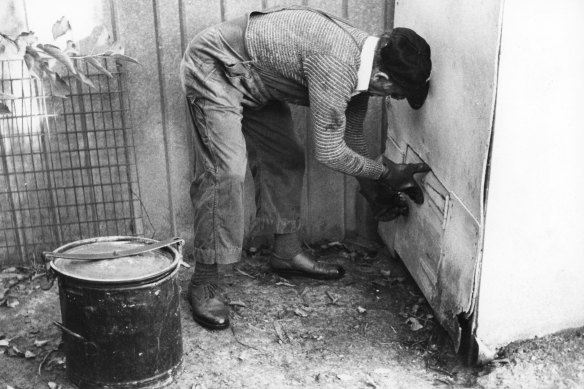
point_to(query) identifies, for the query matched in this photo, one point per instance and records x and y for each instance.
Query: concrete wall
(532, 280)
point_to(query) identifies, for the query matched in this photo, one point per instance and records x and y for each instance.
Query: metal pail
(120, 313)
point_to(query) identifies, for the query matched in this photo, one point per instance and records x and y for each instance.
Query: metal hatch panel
(438, 243)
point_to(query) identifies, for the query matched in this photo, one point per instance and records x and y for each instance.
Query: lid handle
(118, 254)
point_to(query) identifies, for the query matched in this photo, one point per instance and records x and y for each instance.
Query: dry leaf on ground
(414, 324)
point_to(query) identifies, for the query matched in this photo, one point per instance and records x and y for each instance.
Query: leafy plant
(37, 57)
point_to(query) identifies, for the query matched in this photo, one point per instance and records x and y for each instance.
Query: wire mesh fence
(67, 166)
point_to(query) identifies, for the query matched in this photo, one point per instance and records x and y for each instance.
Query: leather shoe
(303, 265)
(208, 309)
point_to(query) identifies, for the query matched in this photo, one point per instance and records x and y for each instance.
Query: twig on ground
(283, 283)
(44, 360)
(38, 275)
(446, 381)
(334, 299)
(440, 370)
(245, 274)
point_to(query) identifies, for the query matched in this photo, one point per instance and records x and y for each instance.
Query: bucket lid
(130, 268)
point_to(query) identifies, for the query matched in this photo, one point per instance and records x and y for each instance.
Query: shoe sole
(211, 326)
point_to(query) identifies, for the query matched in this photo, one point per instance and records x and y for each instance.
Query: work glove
(386, 204)
(400, 177)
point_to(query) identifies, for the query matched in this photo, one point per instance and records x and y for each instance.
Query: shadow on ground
(371, 329)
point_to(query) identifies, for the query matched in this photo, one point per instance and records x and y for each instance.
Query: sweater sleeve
(355, 116)
(330, 84)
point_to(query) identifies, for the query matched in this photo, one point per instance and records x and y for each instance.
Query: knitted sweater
(315, 53)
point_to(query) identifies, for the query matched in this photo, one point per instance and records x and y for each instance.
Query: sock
(287, 245)
(225, 270)
(204, 274)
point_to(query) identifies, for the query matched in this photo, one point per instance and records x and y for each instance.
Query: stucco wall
(532, 279)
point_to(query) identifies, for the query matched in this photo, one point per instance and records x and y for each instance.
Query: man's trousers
(235, 117)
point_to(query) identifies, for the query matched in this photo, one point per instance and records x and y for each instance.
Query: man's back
(282, 41)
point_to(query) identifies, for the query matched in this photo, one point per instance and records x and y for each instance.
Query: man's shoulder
(311, 25)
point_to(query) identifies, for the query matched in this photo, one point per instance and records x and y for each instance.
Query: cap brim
(417, 100)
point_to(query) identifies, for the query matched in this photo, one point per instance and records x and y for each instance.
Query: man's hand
(386, 204)
(400, 177)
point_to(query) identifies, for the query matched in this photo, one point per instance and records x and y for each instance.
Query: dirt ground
(371, 329)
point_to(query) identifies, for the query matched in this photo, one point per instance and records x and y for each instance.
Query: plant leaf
(59, 55)
(124, 58)
(116, 51)
(4, 109)
(24, 40)
(95, 63)
(4, 41)
(34, 62)
(84, 79)
(31, 65)
(61, 27)
(28, 37)
(59, 87)
(7, 38)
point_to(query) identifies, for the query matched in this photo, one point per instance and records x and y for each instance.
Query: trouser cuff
(220, 257)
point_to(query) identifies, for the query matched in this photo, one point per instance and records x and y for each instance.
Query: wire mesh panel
(68, 167)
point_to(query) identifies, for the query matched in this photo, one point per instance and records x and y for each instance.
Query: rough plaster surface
(533, 270)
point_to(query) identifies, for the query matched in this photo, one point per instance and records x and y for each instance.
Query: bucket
(119, 300)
